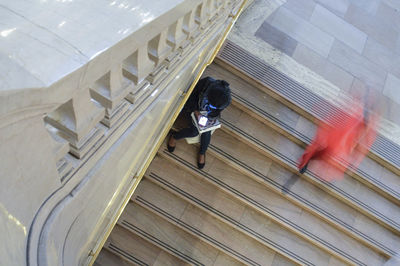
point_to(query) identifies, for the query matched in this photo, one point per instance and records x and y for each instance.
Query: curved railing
(75, 158)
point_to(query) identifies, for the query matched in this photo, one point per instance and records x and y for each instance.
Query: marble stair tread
(137, 250)
(248, 219)
(206, 227)
(301, 130)
(254, 163)
(286, 152)
(277, 206)
(108, 258)
(167, 236)
(238, 60)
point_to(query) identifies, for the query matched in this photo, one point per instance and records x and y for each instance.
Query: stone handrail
(73, 148)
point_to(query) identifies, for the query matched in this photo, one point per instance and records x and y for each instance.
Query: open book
(210, 125)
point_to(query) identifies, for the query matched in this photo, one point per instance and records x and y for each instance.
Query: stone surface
(63, 35)
(385, 58)
(303, 31)
(339, 7)
(302, 8)
(337, 27)
(322, 66)
(351, 61)
(392, 88)
(276, 38)
(377, 29)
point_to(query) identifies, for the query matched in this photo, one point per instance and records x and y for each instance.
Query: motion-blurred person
(335, 142)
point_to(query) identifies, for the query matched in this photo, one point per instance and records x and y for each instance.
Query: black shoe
(170, 148)
(201, 165)
(303, 170)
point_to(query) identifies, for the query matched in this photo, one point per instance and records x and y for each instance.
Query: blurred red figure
(335, 142)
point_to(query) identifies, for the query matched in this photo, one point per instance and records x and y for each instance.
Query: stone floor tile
(323, 67)
(357, 65)
(389, 14)
(357, 89)
(390, 109)
(276, 38)
(392, 88)
(338, 76)
(303, 31)
(382, 56)
(392, 3)
(302, 8)
(339, 7)
(337, 27)
(368, 6)
(309, 58)
(374, 27)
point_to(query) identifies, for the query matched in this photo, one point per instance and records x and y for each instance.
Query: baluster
(211, 10)
(174, 39)
(158, 52)
(138, 66)
(77, 122)
(110, 91)
(202, 17)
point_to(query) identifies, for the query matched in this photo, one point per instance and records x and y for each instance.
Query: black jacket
(200, 91)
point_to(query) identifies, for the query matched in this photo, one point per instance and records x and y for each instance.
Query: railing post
(77, 122)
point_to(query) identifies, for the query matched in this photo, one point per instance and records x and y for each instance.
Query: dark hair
(219, 93)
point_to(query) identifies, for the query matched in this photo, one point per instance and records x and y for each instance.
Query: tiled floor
(351, 43)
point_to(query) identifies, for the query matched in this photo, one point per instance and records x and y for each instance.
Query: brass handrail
(139, 176)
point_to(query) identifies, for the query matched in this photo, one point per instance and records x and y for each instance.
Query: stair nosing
(290, 164)
(226, 219)
(193, 231)
(389, 193)
(345, 228)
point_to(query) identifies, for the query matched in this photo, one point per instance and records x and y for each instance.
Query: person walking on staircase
(209, 97)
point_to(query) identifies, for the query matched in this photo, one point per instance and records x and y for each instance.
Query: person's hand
(197, 114)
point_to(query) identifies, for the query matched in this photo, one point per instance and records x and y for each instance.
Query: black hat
(219, 94)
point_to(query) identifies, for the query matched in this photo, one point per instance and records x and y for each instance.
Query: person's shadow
(289, 183)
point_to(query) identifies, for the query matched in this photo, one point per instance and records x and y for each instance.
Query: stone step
(292, 242)
(136, 250)
(205, 227)
(300, 130)
(239, 61)
(281, 208)
(108, 258)
(253, 162)
(169, 237)
(283, 151)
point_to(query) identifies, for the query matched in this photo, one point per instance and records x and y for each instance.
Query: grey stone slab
(323, 67)
(392, 88)
(390, 110)
(339, 7)
(393, 3)
(389, 15)
(309, 58)
(303, 8)
(357, 89)
(379, 54)
(368, 6)
(397, 49)
(303, 31)
(338, 76)
(339, 28)
(374, 27)
(276, 38)
(357, 65)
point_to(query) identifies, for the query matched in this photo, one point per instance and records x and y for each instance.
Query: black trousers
(192, 131)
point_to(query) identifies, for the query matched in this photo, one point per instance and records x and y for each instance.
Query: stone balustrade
(74, 145)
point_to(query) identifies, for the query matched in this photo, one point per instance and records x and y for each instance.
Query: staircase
(249, 205)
